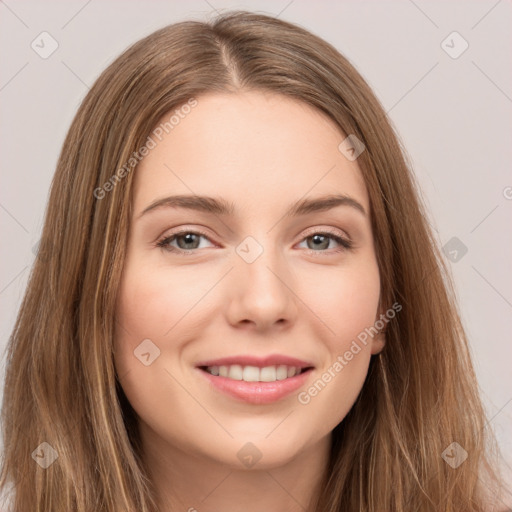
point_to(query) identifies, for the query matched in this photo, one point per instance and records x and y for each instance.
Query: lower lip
(257, 392)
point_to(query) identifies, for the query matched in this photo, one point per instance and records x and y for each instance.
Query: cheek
(149, 305)
(151, 302)
(146, 308)
(159, 305)
(345, 299)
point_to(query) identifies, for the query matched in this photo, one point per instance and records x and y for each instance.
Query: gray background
(453, 115)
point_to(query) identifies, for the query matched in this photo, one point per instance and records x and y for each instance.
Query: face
(264, 281)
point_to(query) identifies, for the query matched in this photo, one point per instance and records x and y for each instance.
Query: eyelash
(345, 244)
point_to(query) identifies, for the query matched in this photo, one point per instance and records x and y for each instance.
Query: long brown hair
(61, 386)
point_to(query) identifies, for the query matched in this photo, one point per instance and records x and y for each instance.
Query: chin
(255, 452)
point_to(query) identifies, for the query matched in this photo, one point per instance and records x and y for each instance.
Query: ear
(379, 340)
(378, 343)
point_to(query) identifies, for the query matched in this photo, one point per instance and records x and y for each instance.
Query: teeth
(235, 372)
(254, 373)
(281, 372)
(268, 374)
(251, 374)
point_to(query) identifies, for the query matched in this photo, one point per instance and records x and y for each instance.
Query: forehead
(252, 149)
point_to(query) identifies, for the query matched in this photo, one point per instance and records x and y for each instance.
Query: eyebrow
(220, 206)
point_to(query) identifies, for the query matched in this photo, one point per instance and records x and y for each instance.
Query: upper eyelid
(329, 231)
(309, 231)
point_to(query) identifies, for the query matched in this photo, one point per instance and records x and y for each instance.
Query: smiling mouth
(248, 373)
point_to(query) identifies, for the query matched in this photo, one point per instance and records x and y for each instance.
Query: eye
(186, 241)
(320, 241)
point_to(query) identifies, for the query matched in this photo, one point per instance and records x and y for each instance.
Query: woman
(238, 300)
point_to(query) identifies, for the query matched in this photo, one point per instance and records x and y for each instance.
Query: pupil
(189, 239)
(318, 238)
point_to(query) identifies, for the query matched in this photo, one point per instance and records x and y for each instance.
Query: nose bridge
(260, 261)
(262, 291)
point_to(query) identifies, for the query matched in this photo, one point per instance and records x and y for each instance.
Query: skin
(262, 152)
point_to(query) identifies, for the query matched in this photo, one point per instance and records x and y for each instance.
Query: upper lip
(260, 362)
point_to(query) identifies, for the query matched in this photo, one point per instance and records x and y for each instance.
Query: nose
(261, 293)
